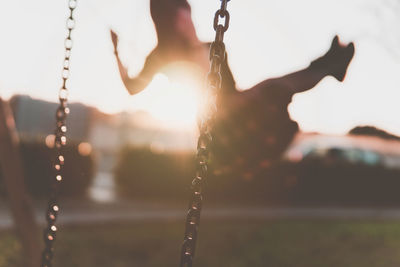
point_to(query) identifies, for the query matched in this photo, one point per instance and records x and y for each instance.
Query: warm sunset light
(285, 38)
(85, 149)
(49, 140)
(124, 124)
(172, 99)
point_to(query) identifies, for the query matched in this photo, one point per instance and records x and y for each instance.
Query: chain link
(59, 142)
(217, 56)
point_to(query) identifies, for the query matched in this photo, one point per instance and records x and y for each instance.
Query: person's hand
(114, 39)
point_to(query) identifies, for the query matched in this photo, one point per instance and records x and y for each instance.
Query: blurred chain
(217, 56)
(59, 142)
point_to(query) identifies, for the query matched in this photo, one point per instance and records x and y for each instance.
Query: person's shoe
(336, 60)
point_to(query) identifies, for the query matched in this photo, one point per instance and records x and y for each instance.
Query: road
(77, 212)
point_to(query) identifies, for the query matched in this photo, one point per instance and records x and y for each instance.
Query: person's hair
(162, 11)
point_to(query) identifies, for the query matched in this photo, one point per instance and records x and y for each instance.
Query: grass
(224, 244)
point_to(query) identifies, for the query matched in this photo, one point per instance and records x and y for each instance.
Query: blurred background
(331, 199)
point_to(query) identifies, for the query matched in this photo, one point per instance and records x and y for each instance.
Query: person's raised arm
(133, 86)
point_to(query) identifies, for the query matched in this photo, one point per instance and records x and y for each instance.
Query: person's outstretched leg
(255, 126)
(334, 63)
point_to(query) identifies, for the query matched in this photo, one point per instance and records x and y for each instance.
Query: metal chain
(60, 141)
(217, 56)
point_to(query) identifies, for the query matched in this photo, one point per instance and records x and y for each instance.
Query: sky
(266, 39)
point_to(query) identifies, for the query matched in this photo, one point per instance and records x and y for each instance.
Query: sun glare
(173, 100)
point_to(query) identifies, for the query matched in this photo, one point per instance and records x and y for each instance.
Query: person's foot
(336, 60)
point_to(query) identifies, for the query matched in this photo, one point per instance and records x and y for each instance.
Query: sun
(172, 97)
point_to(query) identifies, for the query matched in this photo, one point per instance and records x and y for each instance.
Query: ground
(224, 243)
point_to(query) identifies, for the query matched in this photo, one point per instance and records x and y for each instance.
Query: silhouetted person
(253, 127)
(177, 41)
